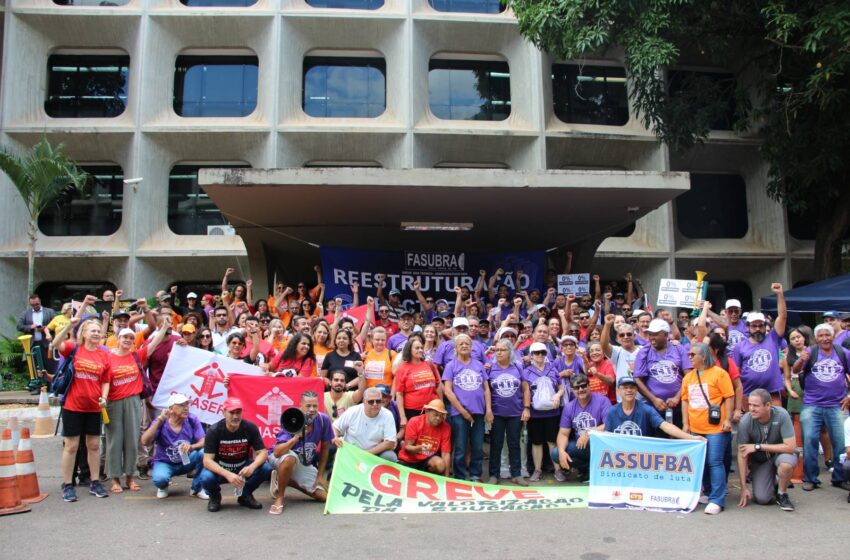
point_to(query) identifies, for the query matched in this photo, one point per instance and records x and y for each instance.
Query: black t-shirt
(232, 450)
(334, 361)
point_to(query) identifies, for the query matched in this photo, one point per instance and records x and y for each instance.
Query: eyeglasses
(539, 353)
(584, 316)
(206, 336)
(383, 310)
(574, 331)
(501, 349)
(581, 387)
(429, 300)
(569, 345)
(626, 334)
(692, 354)
(374, 402)
(265, 322)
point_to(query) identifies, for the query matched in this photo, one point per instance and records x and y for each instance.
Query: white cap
(733, 303)
(569, 338)
(177, 398)
(658, 325)
(505, 330)
(824, 327)
(637, 312)
(192, 295)
(537, 347)
(754, 316)
(460, 322)
(125, 331)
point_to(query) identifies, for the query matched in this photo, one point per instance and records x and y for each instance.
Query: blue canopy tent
(832, 294)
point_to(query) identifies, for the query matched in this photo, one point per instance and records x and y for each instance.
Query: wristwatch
(758, 447)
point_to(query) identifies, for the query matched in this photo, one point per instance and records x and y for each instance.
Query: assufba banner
(438, 272)
(632, 472)
(364, 483)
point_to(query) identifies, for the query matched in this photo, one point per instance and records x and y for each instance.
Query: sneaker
(521, 481)
(201, 494)
(703, 499)
(493, 480)
(69, 493)
(560, 476)
(712, 509)
(215, 503)
(249, 502)
(844, 485)
(161, 493)
(536, 476)
(809, 486)
(97, 489)
(828, 463)
(784, 503)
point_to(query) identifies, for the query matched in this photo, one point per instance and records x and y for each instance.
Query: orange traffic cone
(10, 496)
(25, 469)
(43, 419)
(797, 475)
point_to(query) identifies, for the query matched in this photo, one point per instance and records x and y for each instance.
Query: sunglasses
(581, 387)
(584, 316)
(570, 345)
(429, 300)
(206, 336)
(333, 409)
(374, 402)
(539, 353)
(221, 316)
(626, 335)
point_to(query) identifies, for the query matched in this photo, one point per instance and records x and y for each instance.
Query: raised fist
(229, 271)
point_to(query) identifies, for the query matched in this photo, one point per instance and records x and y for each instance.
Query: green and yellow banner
(364, 483)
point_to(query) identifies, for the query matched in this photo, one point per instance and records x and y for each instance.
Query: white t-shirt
(624, 364)
(364, 432)
(219, 340)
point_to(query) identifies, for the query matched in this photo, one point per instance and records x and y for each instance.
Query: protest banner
(199, 375)
(632, 472)
(356, 314)
(365, 483)
(578, 284)
(677, 293)
(438, 272)
(265, 398)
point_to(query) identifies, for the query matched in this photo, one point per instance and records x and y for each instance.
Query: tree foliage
(791, 63)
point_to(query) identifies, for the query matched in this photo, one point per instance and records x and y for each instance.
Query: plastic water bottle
(668, 416)
(184, 457)
(523, 436)
(237, 490)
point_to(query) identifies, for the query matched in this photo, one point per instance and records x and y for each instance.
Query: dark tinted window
(469, 90)
(98, 213)
(474, 6)
(716, 92)
(719, 292)
(344, 87)
(190, 210)
(714, 208)
(803, 225)
(86, 86)
(215, 86)
(91, 2)
(54, 294)
(590, 94)
(353, 4)
(218, 3)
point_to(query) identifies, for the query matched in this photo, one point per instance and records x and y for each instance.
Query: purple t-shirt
(168, 442)
(321, 434)
(663, 371)
(759, 364)
(506, 390)
(736, 333)
(825, 384)
(446, 352)
(467, 384)
(580, 419)
(839, 338)
(397, 341)
(576, 367)
(532, 375)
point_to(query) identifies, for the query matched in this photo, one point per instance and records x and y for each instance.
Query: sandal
(116, 487)
(133, 487)
(275, 509)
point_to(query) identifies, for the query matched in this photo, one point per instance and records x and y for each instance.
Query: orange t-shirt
(378, 367)
(717, 386)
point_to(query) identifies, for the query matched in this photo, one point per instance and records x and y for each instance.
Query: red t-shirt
(126, 379)
(419, 431)
(598, 386)
(390, 327)
(91, 370)
(417, 383)
(301, 367)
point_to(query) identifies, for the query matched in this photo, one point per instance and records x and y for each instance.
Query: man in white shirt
(369, 426)
(623, 356)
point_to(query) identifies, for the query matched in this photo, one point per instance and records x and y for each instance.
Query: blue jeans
(580, 457)
(212, 482)
(511, 426)
(471, 433)
(714, 474)
(163, 472)
(812, 419)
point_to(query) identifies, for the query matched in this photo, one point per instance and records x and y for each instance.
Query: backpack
(63, 377)
(544, 394)
(813, 359)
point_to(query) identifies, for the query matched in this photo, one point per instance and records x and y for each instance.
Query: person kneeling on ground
(179, 439)
(369, 426)
(427, 441)
(293, 458)
(227, 451)
(767, 449)
(588, 411)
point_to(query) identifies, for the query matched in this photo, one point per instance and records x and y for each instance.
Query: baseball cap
(384, 389)
(658, 325)
(121, 314)
(125, 331)
(733, 303)
(395, 292)
(537, 347)
(619, 294)
(232, 403)
(437, 406)
(439, 301)
(404, 312)
(438, 319)
(539, 307)
(844, 317)
(460, 322)
(191, 295)
(569, 338)
(626, 381)
(831, 314)
(506, 330)
(637, 312)
(177, 398)
(188, 328)
(754, 316)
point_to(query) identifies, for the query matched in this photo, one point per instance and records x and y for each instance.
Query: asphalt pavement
(137, 525)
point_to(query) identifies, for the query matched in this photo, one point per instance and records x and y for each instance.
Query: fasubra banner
(364, 483)
(632, 472)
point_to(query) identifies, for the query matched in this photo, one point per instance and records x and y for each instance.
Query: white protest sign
(677, 293)
(578, 284)
(199, 375)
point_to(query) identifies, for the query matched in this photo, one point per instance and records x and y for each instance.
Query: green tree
(791, 63)
(40, 176)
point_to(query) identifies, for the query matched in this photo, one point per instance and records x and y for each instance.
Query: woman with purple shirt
(508, 393)
(543, 419)
(466, 388)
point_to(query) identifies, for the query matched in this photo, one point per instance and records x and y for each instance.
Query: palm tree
(40, 176)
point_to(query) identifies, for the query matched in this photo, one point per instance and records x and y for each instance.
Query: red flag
(358, 314)
(264, 398)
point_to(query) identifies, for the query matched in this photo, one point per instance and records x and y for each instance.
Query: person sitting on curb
(427, 442)
(588, 411)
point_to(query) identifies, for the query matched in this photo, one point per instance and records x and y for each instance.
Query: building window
(471, 90)
(590, 94)
(339, 87)
(803, 226)
(91, 2)
(190, 210)
(719, 292)
(714, 208)
(715, 89)
(218, 3)
(627, 231)
(469, 6)
(215, 86)
(353, 4)
(86, 86)
(55, 294)
(98, 213)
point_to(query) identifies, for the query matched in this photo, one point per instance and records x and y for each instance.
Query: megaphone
(292, 420)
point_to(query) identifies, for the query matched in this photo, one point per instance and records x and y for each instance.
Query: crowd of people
(532, 373)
